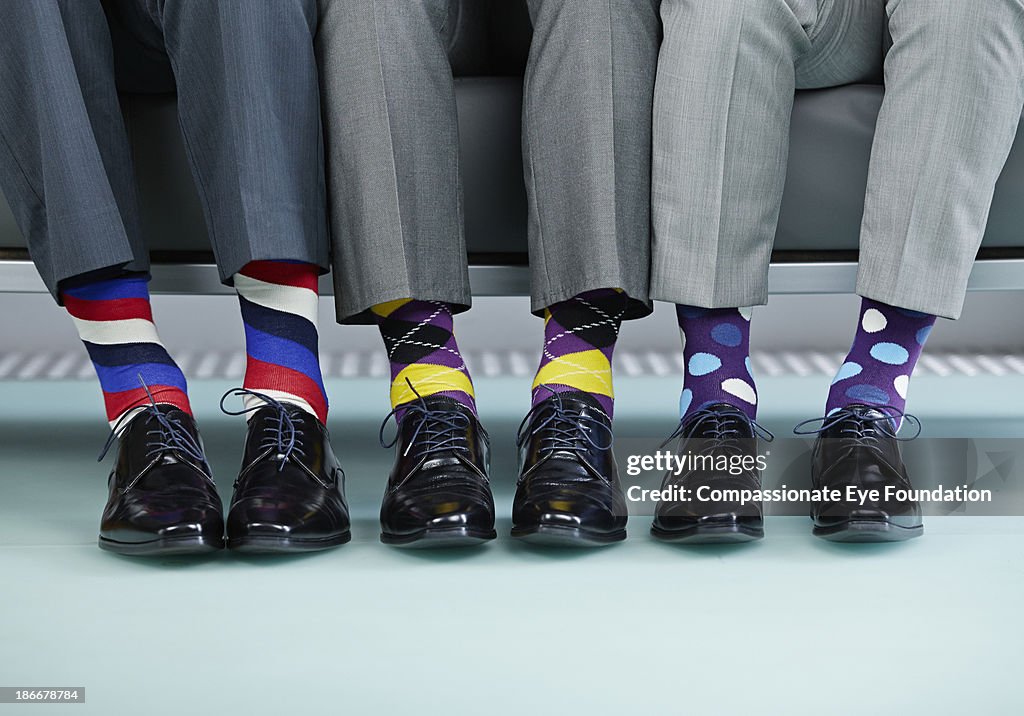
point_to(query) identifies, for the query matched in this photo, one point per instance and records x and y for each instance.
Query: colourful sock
(579, 338)
(885, 350)
(716, 358)
(279, 310)
(420, 340)
(115, 321)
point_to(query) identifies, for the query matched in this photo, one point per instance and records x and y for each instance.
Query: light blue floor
(790, 625)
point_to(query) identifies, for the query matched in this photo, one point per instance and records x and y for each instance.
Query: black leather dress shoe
(290, 493)
(709, 509)
(568, 492)
(162, 498)
(438, 494)
(857, 447)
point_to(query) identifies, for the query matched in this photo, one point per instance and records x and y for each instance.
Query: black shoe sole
(561, 536)
(164, 546)
(451, 537)
(285, 545)
(868, 531)
(728, 533)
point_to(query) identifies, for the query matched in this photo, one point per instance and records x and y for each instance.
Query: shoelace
(281, 435)
(564, 428)
(169, 435)
(437, 429)
(724, 433)
(863, 430)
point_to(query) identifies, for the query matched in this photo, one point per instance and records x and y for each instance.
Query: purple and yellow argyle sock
(716, 359)
(885, 350)
(420, 340)
(579, 338)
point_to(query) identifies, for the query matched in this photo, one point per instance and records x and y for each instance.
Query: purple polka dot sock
(716, 358)
(885, 350)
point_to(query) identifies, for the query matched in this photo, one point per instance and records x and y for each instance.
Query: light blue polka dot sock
(716, 356)
(885, 350)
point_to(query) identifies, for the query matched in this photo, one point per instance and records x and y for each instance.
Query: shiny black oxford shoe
(438, 493)
(568, 492)
(720, 443)
(290, 493)
(857, 447)
(162, 499)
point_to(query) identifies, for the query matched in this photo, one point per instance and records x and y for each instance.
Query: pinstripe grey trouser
(393, 154)
(248, 106)
(954, 75)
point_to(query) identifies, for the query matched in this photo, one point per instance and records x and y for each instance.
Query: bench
(816, 244)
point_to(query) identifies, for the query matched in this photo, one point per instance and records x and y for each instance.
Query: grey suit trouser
(248, 105)
(954, 76)
(393, 153)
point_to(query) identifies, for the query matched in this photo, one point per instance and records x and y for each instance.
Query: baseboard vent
(213, 365)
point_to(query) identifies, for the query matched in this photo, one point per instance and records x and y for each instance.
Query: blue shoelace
(280, 435)
(722, 429)
(564, 429)
(169, 434)
(437, 429)
(854, 426)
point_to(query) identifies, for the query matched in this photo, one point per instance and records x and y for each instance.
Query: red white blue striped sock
(115, 321)
(279, 308)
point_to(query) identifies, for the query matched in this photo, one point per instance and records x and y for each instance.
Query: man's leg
(65, 164)
(65, 167)
(587, 99)
(954, 91)
(723, 101)
(727, 75)
(954, 94)
(400, 255)
(248, 105)
(586, 147)
(248, 102)
(67, 171)
(953, 100)
(396, 208)
(392, 146)
(249, 108)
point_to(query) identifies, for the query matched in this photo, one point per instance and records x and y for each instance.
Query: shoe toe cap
(144, 520)
(278, 518)
(412, 513)
(560, 519)
(589, 510)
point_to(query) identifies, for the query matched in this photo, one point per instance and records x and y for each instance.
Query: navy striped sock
(115, 321)
(279, 308)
